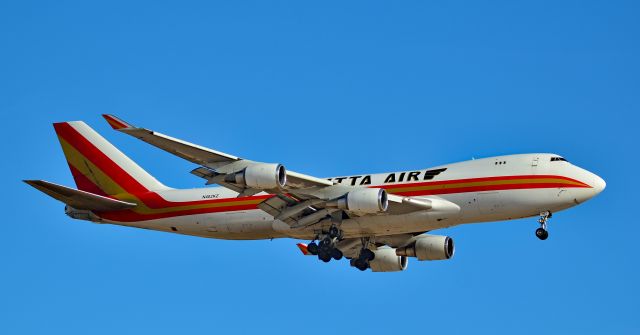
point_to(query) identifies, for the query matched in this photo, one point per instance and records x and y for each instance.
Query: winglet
(303, 248)
(115, 122)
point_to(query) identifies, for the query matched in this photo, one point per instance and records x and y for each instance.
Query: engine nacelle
(429, 248)
(386, 260)
(260, 176)
(364, 200)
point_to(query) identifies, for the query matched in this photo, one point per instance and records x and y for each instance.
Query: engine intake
(429, 248)
(260, 176)
(365, 200)
(386, 260)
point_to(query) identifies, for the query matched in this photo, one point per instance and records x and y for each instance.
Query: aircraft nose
(598, 184)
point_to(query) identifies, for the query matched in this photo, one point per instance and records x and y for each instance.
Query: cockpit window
(556, 159)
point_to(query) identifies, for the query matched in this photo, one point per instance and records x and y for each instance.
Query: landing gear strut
(335, 232)
(542, 232)
(362, 263)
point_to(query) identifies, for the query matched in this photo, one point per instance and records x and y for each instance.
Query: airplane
(376, 221)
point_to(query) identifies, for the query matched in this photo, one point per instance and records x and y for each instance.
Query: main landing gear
(542, 232)
(326, 248)
(362, 262)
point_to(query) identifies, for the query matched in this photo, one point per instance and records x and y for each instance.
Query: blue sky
(326, 88)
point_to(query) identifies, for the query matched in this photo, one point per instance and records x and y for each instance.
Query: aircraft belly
(511, 204)
(419, 221)
(240, 225)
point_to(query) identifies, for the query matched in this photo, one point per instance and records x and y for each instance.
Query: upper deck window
(556, 159)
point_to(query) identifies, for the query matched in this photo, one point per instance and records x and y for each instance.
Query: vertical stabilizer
(99, 167)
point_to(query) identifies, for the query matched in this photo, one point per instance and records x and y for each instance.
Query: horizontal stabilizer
(79, 199)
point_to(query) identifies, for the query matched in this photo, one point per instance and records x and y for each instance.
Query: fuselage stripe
(152, 205)
(237, 204)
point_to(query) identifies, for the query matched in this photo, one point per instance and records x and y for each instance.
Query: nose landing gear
(542, 232)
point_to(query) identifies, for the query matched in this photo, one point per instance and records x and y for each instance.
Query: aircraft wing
(79, 199)
(213, 162)
(301, 201)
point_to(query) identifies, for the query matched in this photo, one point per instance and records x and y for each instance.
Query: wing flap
(79, 199)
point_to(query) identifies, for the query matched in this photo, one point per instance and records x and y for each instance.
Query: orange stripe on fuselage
(415, 189)
(153, 206)
(484, 184)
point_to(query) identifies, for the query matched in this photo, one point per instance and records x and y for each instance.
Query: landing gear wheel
(542, 234)
(336, 254)
(367, 254)
(325, 257)
(312, 248)
(325, 247)
(361, 264)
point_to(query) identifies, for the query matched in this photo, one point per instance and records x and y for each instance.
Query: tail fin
(99, 167)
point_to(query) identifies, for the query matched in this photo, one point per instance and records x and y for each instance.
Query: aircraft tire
(336, 254)
(312, 248)
(542, 234)
(367, 254)
(361, 264)
(325, 257)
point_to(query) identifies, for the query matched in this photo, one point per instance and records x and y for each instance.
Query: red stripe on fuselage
(154, 201)
(484, 188)
(482, 179)
(128, 216)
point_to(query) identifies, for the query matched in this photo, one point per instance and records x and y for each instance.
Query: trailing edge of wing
(79, 199)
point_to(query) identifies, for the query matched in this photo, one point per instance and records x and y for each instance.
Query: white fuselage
(490, 189)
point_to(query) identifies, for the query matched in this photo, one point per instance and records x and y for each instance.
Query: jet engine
(386, 260)
(365, 200)
(429, 248)
(260, 176)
